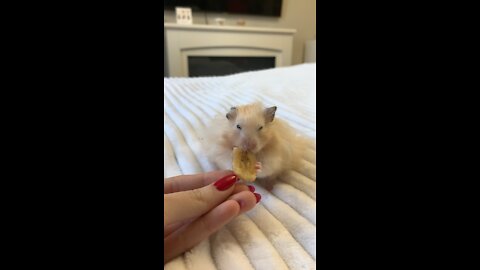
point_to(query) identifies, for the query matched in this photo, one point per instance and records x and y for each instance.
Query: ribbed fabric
(279, 233)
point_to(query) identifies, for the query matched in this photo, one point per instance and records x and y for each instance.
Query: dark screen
(217, 66)
(254, 7)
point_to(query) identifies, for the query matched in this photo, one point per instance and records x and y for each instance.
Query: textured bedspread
(279, 233)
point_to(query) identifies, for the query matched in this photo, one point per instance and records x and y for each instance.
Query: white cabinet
(182, 41)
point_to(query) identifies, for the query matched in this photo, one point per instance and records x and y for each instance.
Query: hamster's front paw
(267, 182)
(258, 166)
(269, 186)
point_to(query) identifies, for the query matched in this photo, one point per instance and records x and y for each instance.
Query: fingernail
(252, 188)
(226, 182)
(258, 196)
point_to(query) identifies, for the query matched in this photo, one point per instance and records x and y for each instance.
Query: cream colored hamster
(254, 128)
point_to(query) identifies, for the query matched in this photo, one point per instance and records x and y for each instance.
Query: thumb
(183, 205)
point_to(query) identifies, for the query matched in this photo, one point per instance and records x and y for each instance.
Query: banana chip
(244, 164)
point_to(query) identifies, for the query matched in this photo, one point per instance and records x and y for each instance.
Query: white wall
(297, 14)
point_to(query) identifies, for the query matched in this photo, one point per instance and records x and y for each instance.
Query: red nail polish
(252, 188)
(226, 182)
(257, 196)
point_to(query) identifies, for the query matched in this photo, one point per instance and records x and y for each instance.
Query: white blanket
(279, 233)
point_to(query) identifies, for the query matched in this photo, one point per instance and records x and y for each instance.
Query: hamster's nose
(249, 145)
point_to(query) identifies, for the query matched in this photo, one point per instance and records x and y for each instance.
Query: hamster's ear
(232, 113)
(270, 113)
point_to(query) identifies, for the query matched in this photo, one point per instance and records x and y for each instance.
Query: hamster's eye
(239, 127)
(260, 128)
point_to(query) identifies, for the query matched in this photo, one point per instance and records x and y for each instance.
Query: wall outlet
(183, 15)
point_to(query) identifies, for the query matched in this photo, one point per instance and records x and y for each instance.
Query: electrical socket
(183, 15)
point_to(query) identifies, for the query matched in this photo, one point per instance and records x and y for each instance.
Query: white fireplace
(202, 50)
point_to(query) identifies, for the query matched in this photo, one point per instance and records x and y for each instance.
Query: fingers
(192, 234)
(173, 227)
(183, 205)
(189, 182)
(188, 236)
(239, 188)
(246, 199)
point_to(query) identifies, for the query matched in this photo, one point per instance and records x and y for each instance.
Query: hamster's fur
(254, 128)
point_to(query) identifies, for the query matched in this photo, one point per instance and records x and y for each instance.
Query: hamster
(255, 128)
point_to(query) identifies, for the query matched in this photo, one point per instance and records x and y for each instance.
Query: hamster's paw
(269, 186)
(269, 183)
(258, 166)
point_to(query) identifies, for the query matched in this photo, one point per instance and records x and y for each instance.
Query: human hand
(195, 207)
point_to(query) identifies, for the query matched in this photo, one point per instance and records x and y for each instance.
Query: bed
(280, 232)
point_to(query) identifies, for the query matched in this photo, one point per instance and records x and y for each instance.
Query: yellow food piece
(244, 164)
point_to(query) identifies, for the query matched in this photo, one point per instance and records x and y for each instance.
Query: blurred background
(230, 36)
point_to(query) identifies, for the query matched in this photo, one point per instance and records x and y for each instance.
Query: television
(271, 8)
